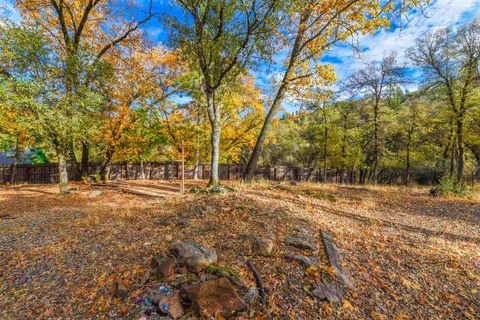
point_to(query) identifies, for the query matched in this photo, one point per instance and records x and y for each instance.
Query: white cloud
(180, 99)
(9, 11)
(441, 13)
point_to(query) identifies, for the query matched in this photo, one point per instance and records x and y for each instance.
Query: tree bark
(104, 172)
(15, 162)
(325, 152)
(196, 164)
(375, 143)
(452, 156)
(85, 159)
(461, 150)
(63, 173)
(407, 169)
(344, 148)
(249, 172)
(214, 117)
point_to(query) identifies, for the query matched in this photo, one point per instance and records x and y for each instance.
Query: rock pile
(192, 283)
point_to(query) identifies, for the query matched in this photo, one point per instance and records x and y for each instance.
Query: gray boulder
(304, 260)
(302, 241)
(263, 247)
(193, 255)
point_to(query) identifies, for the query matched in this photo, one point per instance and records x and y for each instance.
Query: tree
(31, 85)
(450, 63)
(222, 36)
(80, 33)
(315, 27)
(144, 77)
(376, 82)
(411, 126)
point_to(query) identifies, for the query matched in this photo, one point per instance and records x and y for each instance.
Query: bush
(450, 186)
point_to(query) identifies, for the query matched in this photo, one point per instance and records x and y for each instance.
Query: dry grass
(410, 255)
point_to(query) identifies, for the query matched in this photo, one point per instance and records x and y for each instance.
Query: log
(258, 281)
(334, 258)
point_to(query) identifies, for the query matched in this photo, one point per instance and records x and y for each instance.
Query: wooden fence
(48, 173)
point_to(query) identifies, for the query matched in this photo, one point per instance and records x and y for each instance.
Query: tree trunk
(104, 171)
(249, 172)
(63, 173)
(85, 159)
(344, 148)
(142, 167)
(461, 150)
(375, 144)
(452, 156)
(15, 162)
(197, 161)
(325, 153)
(407, 169)
(214, 117)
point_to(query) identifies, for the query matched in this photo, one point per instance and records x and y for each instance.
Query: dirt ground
(411, 256)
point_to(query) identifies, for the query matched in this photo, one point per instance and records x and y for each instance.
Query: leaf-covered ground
(410, 256)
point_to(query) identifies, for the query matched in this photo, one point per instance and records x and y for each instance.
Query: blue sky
(401, 36)
(440, 13)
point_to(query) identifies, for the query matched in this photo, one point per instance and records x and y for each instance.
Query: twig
(258, 281)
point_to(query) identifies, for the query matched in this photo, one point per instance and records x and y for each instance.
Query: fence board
(48, 173)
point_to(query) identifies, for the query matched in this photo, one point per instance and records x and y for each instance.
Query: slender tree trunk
(249, 172)
(452, 156)
(214, 117)
(15, 162)
(214, 178)
(85, 159)
(72, 160)
(197, 161)
(325, 153)
(461, 150)
(375, 144)
(63, 173)
(407, 169)
(142, 168)
(344, 148)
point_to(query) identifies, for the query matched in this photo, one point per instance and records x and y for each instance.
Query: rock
(165, 266)
(251, 295)
(263, 247)
(121, 290)
(170, 304)
(304, 230)
(95, 193)
(214, 298)
(304, 260)
(302, 241)
(193, 255)
(146, 276)
(294, 283)
(327, 291)
(219, 189)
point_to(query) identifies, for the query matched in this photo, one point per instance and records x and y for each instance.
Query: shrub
(450, 186)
